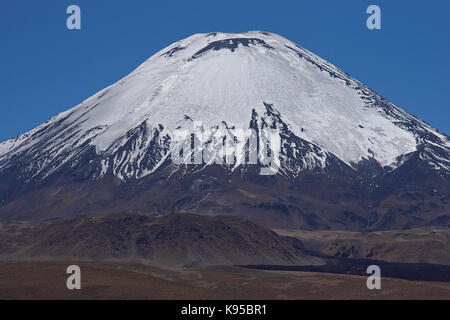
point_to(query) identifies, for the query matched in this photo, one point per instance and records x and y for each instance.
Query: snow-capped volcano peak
(226, 78)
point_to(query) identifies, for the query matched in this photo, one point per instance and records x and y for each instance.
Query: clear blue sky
(46, 69)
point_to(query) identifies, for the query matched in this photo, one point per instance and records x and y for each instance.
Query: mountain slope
(422, 245)
(174, 240)
(121, 143)
(219, 78)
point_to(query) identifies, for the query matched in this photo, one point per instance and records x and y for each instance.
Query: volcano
(346, 157)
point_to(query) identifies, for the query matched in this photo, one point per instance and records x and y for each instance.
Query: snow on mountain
(233, 79)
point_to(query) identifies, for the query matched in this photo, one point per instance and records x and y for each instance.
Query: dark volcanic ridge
(422, 245)
(173, 240)
(358, 267)
(185, 240)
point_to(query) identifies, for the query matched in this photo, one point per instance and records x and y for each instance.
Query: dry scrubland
(47, 280)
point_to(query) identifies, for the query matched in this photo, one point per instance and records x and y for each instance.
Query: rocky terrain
(423, 245)
(174, 240)
(105, 280)
(346, 158)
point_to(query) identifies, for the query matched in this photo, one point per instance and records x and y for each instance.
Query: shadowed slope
(173, 240)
